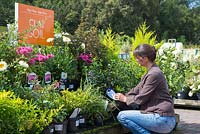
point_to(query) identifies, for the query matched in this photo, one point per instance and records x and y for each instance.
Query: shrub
(87, 97)
(22, 116)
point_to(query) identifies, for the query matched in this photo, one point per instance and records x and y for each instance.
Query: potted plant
(60, 121)
(88, 99)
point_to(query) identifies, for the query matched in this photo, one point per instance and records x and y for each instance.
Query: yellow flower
(3, 65)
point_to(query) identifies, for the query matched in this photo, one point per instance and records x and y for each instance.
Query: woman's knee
(120, 116)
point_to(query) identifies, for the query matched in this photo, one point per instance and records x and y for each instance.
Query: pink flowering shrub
(28, 53)
(35, 58)
(40, 58)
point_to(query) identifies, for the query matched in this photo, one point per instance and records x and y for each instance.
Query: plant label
(32, 77)
(47, 77)
(64, 75)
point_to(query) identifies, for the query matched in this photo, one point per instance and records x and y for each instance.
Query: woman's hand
(120, 97)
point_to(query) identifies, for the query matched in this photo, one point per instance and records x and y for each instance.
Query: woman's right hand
(121, 97)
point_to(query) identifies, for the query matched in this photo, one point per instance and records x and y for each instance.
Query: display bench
(187, 103)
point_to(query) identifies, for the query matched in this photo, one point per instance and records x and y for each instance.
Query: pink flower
(26, 51)
(50, 55)
(32, 61)
(57, 85)
(41, 57)
(87, 58)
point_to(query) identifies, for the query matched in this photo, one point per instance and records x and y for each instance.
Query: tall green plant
(108, 40)
(143, 36)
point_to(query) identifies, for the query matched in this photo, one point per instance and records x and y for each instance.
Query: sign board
(35, 25)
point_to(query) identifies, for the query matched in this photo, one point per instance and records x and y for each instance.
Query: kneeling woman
(156, 112)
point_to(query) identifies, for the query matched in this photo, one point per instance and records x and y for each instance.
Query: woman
(152, 95)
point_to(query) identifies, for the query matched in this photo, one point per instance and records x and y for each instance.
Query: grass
(3, 29)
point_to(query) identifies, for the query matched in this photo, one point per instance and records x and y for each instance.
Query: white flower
(191, 87)
(3, 65)
(173, 65)
(190, 94)
(199, 87)
(50, 39)
(164, 57)
(59, 35)
(23, 64)
(194, 89)
(83, 45)
(177, 52)
(65, 33)
(66, 39)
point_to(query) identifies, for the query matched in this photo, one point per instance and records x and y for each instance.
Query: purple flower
(87, 58)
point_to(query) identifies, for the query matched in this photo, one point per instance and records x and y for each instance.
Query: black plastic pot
(49, 129)
(61, 128)
(183, 94)
(198, 95)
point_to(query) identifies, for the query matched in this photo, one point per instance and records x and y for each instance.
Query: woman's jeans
(140, 123)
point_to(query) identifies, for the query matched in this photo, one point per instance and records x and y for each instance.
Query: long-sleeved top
(152, 94)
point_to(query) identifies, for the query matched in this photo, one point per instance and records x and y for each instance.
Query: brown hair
(145, 50)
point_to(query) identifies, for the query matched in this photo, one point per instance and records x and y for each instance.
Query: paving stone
(189, 121)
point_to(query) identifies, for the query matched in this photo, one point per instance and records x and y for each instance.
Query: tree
(177, 19)
(67, 12)
(7, 9)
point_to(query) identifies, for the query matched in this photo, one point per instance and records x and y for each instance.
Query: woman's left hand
(120, 97)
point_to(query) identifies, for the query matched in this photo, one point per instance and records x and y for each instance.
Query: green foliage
(174, 70)
(88, 98)
(15, 75)
(118, 74)
(142, 36)
(89, 37)
(5, 49)
(67, 13)
(21, 116)
(124, 42)
(192, 78)
(3, 29)
(172, 17)
(49, 98)
(63, 61)
(57, 27)
(108, 40)
(9, 122)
